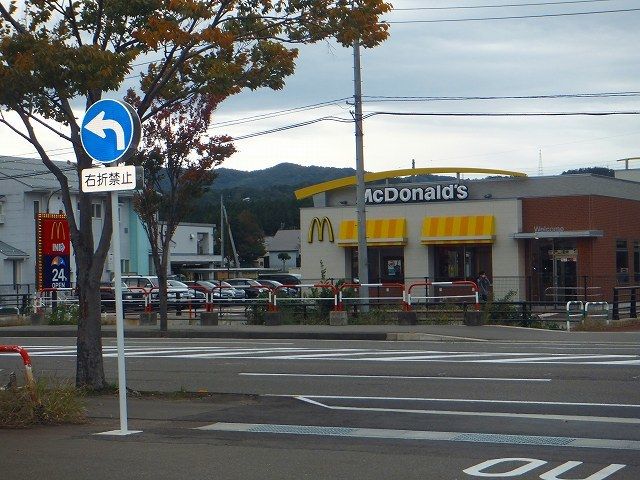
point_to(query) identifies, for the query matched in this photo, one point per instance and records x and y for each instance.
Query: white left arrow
(97, 125)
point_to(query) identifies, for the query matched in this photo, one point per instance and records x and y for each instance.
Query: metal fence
(18, 296)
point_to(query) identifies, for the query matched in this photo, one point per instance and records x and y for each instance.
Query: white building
(284, 241)
(27, 188)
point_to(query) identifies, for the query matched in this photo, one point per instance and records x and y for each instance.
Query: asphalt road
(358, 409)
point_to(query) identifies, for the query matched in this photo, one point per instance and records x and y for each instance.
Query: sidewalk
(446, 333)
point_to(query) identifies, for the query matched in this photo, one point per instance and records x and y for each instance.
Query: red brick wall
(619, 219)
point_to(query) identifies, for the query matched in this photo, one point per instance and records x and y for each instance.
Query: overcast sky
(579, 54)
(538, 56)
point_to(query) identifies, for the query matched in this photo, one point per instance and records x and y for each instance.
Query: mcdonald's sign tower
(54, 251)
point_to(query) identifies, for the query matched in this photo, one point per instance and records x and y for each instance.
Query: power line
(504, 5)
(289, 127)
(502, 114)
(384, 98)
(278, 113)
(513, 17)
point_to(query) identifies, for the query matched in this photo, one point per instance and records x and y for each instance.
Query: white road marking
(536, 416)
(555, 357)
(466, 400)
(348, 355)
(236, 352)
(470, 437)
(401, 377)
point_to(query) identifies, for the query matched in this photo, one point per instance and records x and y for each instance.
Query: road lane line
(231, 353)
(536, 416)
(400, 377)
(390, 434)
(558, 356)
(467, 400)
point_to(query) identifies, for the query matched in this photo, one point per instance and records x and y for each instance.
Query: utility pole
(236, 260)
(222, 230)
(363, 261)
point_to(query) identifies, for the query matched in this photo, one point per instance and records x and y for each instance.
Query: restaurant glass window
(461, 262)
(622, 261)
(554, 267)
(386, 264)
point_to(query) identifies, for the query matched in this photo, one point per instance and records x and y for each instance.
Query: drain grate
(302, 430)
(513, 439)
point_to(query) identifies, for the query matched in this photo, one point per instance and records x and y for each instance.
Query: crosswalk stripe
(347, 355)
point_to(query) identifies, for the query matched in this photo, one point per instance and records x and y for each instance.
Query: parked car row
(218, 289)
(131, 300)
(134, 288)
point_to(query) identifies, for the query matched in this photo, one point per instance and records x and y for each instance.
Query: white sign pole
(121, 118)
(117, 282)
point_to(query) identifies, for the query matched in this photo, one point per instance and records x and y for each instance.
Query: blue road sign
(110, 131)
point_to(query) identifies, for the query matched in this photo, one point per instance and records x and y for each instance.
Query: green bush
(64, 314)
(499, 311)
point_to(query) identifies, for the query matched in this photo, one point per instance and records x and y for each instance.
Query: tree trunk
(89, 265)
(90, 367)
(162, 297)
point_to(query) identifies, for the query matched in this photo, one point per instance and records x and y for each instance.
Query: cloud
(581, 54)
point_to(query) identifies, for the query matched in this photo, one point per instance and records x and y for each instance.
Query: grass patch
(600, 325)
(58, 404)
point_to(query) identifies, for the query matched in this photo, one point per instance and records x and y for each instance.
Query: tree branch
(9, 18)
(70, 15)
(53, 168)
(98, 32)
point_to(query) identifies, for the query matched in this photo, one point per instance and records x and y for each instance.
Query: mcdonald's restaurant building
(532, 235)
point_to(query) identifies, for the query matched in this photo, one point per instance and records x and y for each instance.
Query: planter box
(407, 318)
(149, 318)
(208, 319)
(338, 318)
(273, 318)
(472, 318)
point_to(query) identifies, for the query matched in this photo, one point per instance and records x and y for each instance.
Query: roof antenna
(540, 172)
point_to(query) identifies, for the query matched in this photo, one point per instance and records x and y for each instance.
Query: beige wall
(508, 254)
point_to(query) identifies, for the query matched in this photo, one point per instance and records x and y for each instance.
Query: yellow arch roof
(405, 172)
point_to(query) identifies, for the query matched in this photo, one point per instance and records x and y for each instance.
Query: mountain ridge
(283, 174)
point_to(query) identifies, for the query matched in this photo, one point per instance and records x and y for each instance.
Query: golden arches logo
(319, 224)
(58, 231)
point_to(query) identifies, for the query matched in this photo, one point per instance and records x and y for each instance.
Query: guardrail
(273, 298)
(572, 313)
(28, 372)
(584, 293)
(604, 309)
(50, 297)
(379, 299)
(410, 297)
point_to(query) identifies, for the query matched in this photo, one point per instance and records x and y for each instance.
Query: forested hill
(282, 174)
(265, 198)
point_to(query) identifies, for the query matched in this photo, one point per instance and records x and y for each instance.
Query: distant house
(192, 247)
(29, 188)
(284, 241)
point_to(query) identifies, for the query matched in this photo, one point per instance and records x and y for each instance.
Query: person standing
(484, 285)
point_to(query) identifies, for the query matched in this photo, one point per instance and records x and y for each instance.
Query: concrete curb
(418, 337)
